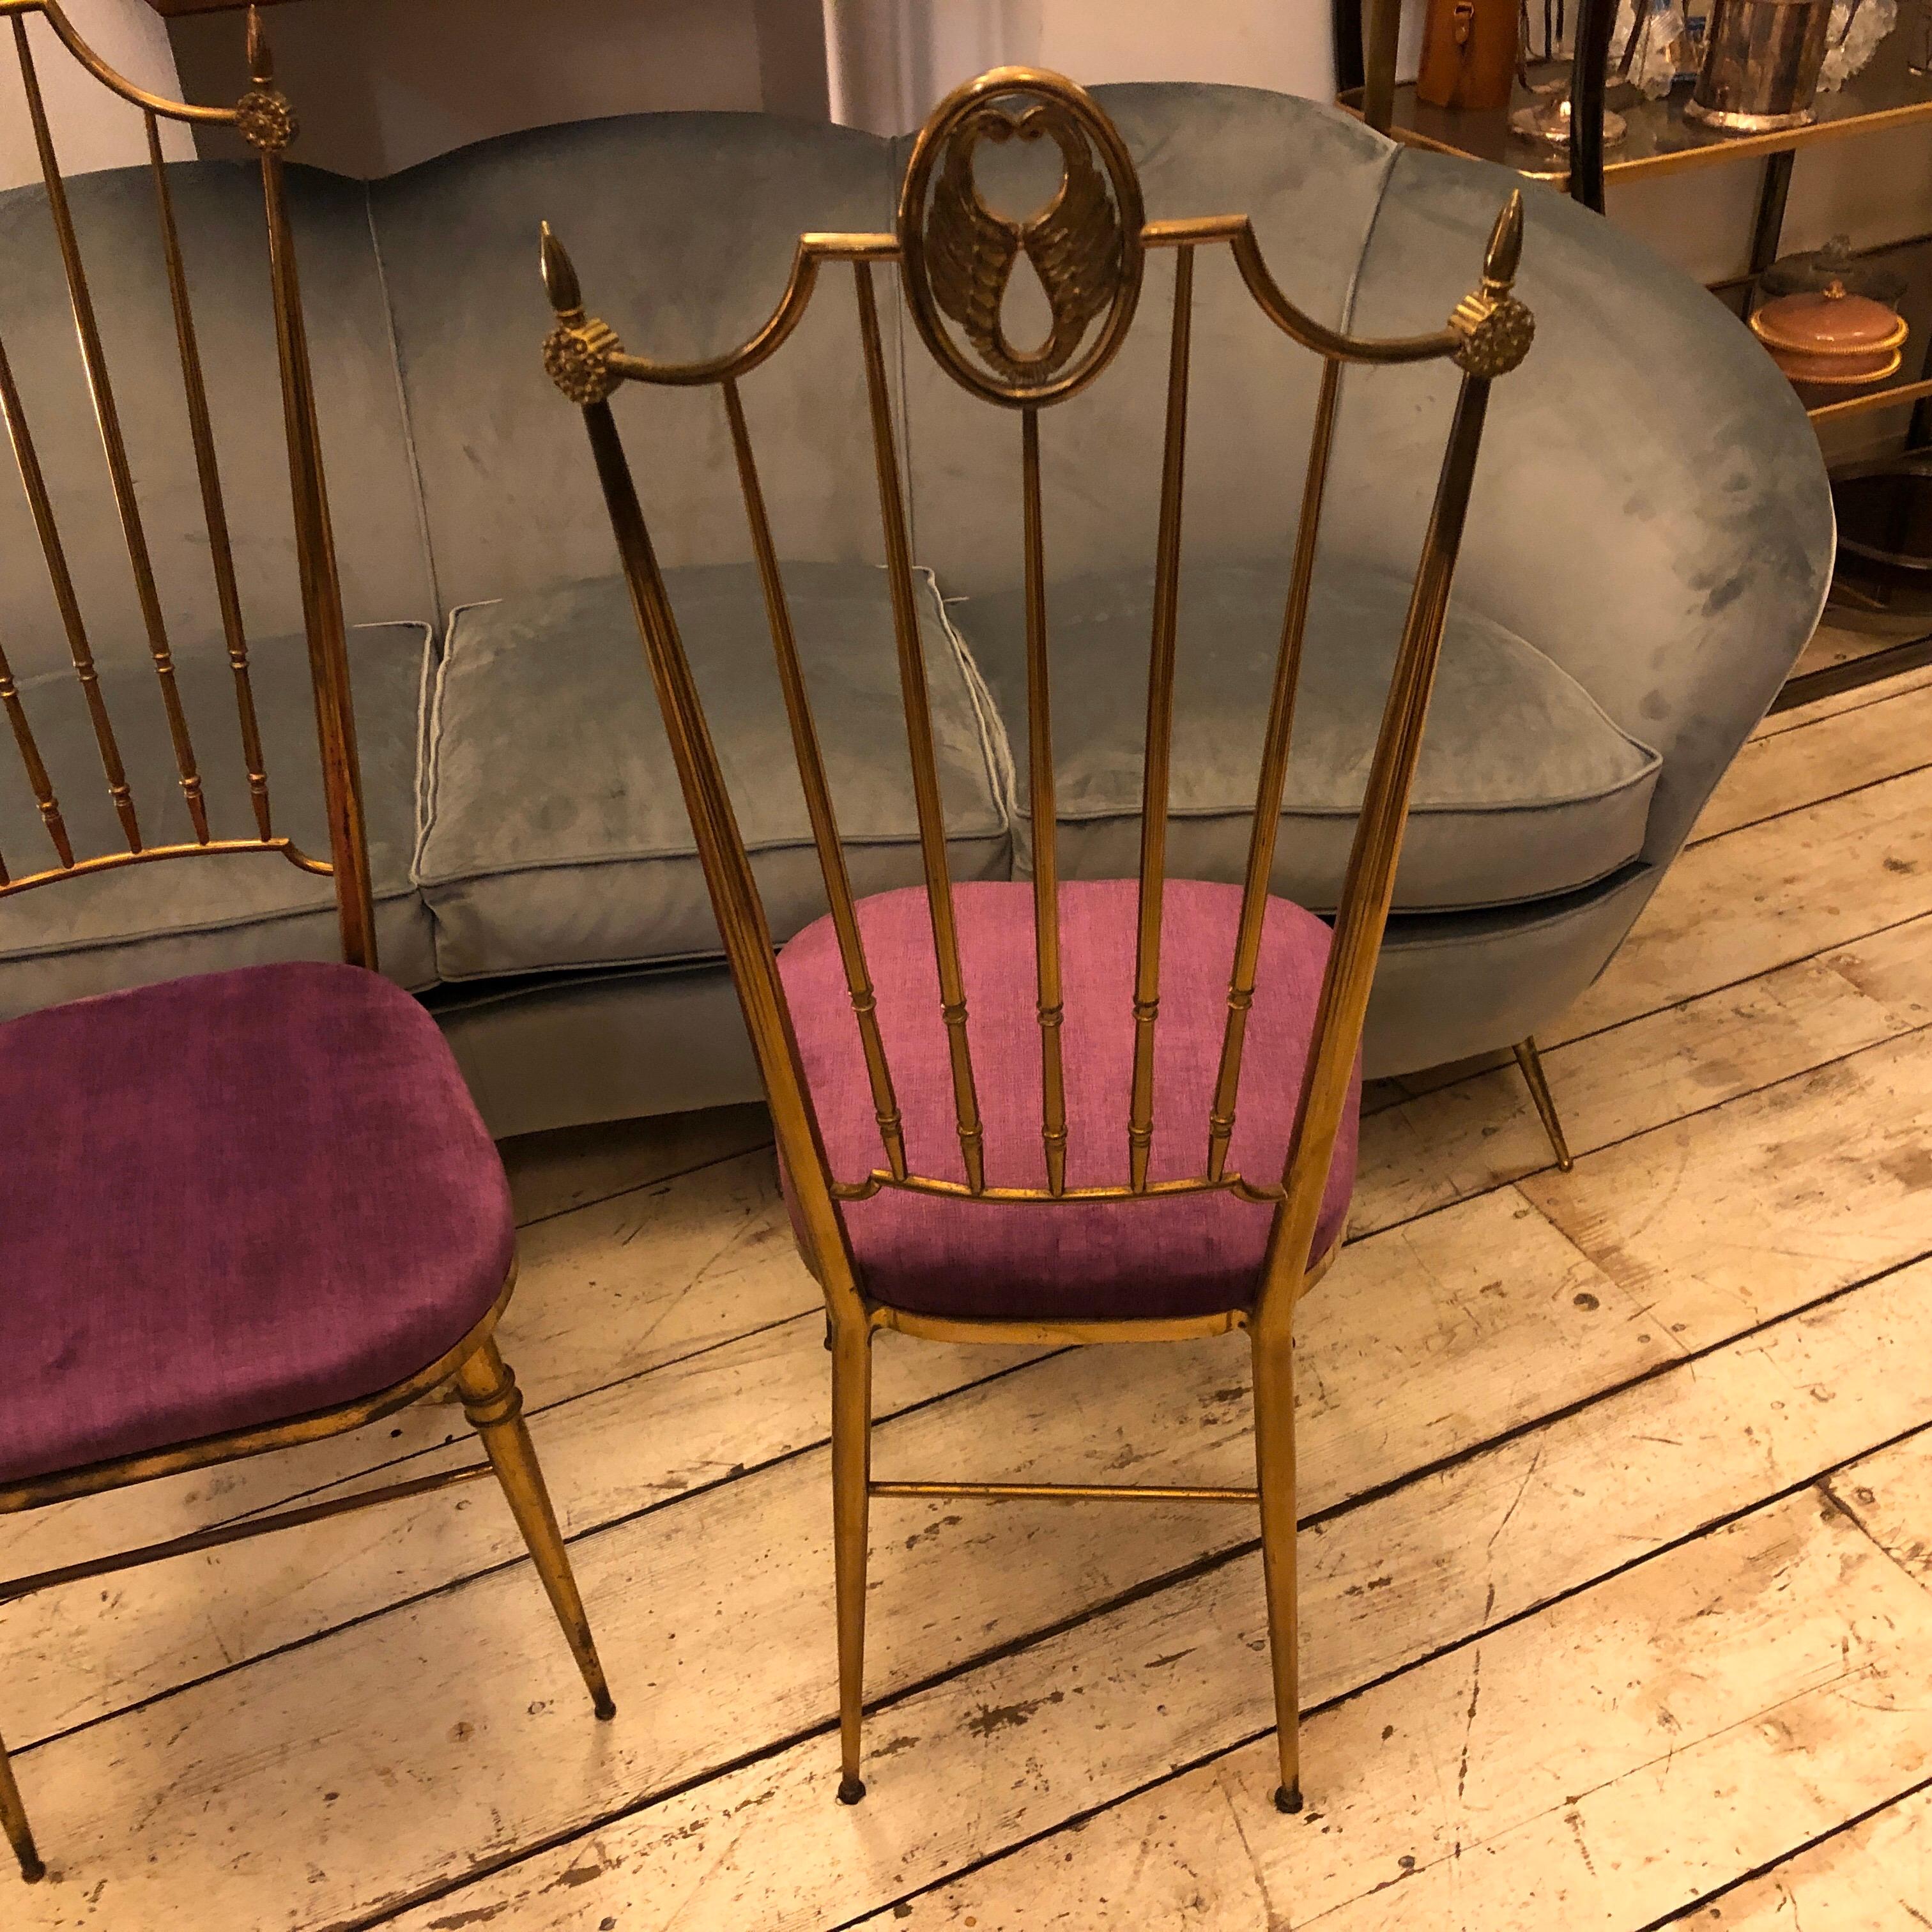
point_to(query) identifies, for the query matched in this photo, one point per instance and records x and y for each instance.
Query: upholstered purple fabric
(231, 1200)
(1161, 1255)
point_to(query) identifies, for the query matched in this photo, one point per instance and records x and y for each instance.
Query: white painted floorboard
(1617, 1545)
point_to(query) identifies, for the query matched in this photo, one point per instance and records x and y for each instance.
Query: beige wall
(381, 84)
(91, 129)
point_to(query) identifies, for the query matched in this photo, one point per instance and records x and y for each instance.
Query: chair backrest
(1086, 244)
(263, 117)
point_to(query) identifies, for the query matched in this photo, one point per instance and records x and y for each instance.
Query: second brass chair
(242, 1211)
(966, 1082)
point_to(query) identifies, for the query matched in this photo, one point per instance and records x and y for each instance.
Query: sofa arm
(1652, 509)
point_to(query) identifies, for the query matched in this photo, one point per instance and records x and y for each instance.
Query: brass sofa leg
(494, 1406)
(1531, 1061)
(1274, 1471)
(851, 1486)
(14, 1815)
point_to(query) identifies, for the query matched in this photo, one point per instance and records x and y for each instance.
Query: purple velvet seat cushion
(232, 1200)
(1159, 1256)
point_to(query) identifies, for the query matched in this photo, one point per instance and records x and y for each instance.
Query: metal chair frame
(1088, 244)
(474, 1372)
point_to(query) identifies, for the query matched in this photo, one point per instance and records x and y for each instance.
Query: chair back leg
(1274, 1471)
(851, 1496)
(14, 1815)
(494, 1406)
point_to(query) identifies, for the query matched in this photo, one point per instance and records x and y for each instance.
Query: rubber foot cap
(1288, 1799)
(32, 1870)
(605, 1709)
(850, 1790)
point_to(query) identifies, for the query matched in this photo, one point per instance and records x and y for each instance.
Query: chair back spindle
(264, 119)
(1088, 244)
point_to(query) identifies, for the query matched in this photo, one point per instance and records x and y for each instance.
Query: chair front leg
(494, 1406)
(1274, 1472)
(851, 1483)
(14, 1815)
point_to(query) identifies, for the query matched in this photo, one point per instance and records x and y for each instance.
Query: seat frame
(1088, 244)
(473, 1372)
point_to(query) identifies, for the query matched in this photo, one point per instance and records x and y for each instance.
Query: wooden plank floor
(1617, 1526)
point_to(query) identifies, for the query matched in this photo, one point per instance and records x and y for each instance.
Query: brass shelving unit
(1662, 139)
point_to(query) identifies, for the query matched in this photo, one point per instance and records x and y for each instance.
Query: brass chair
(1054, 1215)
(253, 1208)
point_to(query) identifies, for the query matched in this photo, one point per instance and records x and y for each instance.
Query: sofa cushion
(144, 923)
(555, 833)
(1524, 787)
(231, 1201)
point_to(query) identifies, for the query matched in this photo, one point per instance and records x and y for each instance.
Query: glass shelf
(1661, 138)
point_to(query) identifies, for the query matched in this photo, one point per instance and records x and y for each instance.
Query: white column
(92, 128)
(890, 60)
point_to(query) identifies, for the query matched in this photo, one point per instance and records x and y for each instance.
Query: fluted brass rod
(720, 852)
(919, 737)
(315, 559)
(107, 419)
(208, 475)
(1041, 809)
(1369, 884)
(1269, 788)
(818, 805)
(41, 506)
(1159, 728)
(37, 769)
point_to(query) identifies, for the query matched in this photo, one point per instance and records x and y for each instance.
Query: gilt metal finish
(473, 1364)
(113, 445)
(1087, 243)
(1068, 1493)
(817, 791)
(957, 256)
(1531, 1061)
(39, 506)
(208, 475)
(1050, 1007)
(1274, 777)
(1160, 737)
(263, 117)
(927, 803)
(493, 1406)
(194, 1543)
(14, 1817)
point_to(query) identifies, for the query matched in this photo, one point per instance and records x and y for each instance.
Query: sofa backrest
(1311, 179)
(219, 211)
(1652, 510)
(683, 227)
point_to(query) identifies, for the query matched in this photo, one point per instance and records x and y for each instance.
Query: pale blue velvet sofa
(1649, 547)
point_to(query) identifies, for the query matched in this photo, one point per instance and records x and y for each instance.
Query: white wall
(890, 60)
(92, 128)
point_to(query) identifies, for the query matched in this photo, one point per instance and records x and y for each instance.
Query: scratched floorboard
(1617, 1488)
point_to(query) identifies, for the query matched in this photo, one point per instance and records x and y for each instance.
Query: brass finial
(1496, 329)
(1505, 248)
(559, 277)
(576, 352)
(262, 115)
(261, 61)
